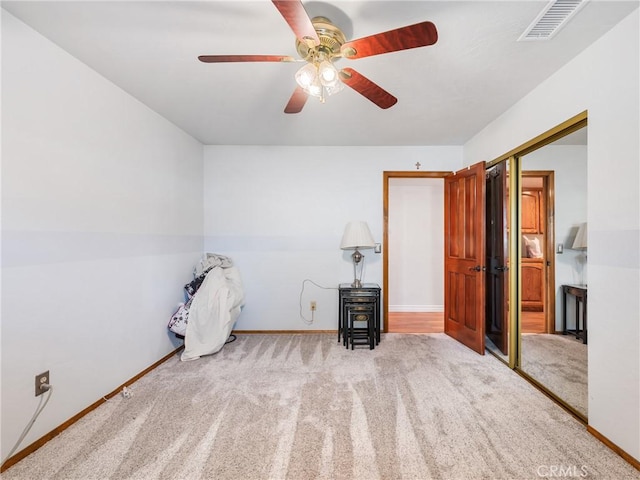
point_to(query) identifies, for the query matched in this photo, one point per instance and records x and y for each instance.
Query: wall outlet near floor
(313, 305)
(42, 379)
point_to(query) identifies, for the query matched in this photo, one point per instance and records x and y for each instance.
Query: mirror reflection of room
(553, 269)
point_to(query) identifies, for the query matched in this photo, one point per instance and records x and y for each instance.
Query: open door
(497, 314)
(464, 256)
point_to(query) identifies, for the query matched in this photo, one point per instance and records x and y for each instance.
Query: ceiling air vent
(552, 18)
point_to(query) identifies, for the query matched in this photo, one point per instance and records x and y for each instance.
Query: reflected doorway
(537, 251)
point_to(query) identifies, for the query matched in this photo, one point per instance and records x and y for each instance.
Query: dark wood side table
(354, 300)
(579, 292)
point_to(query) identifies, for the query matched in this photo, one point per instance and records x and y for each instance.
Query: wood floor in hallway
(416, 322)
(433, 322)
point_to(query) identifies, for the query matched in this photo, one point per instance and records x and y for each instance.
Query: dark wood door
(464, 260)
(497, 313)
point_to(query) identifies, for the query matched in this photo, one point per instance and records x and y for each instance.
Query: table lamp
(357, 236)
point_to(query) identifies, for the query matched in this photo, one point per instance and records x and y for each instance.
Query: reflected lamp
(580, 242)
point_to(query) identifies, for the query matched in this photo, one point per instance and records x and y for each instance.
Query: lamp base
(357, 258)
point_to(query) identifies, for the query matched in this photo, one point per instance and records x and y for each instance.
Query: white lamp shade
(357, 235)
(580, 242)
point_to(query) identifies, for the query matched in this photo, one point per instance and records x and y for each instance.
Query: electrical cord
(232, 338)
(304, 319)
(39, 409)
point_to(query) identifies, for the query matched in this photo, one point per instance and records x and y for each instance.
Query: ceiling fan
(320, 43)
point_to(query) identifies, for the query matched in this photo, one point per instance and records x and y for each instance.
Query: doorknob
(477, 268)
(504, 268)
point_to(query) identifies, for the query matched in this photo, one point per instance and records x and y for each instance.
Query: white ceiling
(446, 92)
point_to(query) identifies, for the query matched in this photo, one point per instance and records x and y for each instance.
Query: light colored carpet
(559, 362)
(303, 407)
(489, 345)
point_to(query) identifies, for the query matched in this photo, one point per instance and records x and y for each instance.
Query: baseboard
(416, 308)
(631, 460)
(58, 430)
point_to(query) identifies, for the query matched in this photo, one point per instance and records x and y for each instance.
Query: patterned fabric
(192, 287)
(179, 320)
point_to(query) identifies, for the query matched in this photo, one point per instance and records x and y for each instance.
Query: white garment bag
(214, 310)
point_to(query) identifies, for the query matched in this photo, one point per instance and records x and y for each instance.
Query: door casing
(385, 229)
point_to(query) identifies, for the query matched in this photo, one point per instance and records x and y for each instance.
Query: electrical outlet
(313, 305)
(42, 379)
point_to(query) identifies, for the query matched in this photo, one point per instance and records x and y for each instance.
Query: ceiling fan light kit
(319, 79)
(319, 43)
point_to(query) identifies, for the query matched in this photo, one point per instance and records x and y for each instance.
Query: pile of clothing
(215, 299)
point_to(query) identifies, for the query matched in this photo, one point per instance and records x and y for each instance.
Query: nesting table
(359, 315)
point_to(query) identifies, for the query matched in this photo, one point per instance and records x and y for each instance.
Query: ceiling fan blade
(367, 88)
(412, 36)
(296, 16)
(297, 101)
(245, 58)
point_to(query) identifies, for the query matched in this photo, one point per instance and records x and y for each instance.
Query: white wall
(416, 245)
(569, 163)
(280, 212)
(604, 80)
(101, 227)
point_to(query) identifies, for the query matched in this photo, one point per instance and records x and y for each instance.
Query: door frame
(386, 176)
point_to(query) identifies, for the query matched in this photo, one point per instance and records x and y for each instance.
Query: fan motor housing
(331, 39)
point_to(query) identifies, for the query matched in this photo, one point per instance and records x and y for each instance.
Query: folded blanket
(210, 260)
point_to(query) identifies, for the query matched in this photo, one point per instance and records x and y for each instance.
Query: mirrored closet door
(552, 327)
